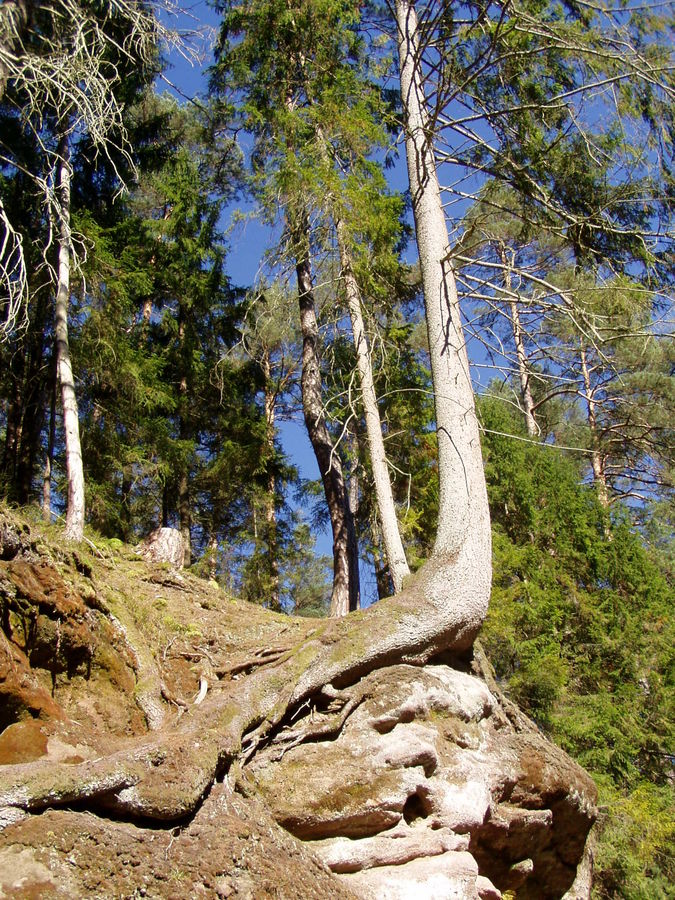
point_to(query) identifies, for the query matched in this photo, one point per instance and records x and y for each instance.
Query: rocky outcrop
(409, 781)
(430, 783)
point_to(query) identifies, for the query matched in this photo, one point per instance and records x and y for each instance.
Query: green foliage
(635, 858)
(581, 631)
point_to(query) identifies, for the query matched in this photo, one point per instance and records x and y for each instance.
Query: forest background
(124, 325)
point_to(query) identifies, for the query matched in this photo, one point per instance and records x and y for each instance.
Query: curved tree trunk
(346, 593)
(463, 519)
(74, 471)
(440, 608)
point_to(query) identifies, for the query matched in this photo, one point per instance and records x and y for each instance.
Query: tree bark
(393, 546)
(49, 456)
(185, 512)
(184, 434)
(463, 538)
(521, 355)
(597, 459)
(391, 536)
(346, 592)
(74, 471)
(14, 418)
(270, 498)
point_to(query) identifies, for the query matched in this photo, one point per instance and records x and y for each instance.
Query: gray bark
(463, 536)
(185, 433)
(597, 459)
(270, 498)
(521, 355)
(74, 471)
(49, 456)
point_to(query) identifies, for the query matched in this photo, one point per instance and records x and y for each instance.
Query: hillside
(121, 777)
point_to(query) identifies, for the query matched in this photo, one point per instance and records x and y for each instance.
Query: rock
(164, 545)
(417, 776)
(231, 848)
(398, 845)
(10, 541)
(21, 694)
(451, 876)
(411, 781)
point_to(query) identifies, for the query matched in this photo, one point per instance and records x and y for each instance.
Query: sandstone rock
(452, 876)
(411, 781)
(398, 845)
(426, 760)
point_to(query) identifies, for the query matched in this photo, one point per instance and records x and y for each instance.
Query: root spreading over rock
(324, 759)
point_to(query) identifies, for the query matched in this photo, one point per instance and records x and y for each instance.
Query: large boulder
(431, 789)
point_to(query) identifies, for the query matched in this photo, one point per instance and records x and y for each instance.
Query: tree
(74, 470)
(274, 109)
(441, 607)
(357, 194)
(463, 535)
(67, 54)
(269, 338)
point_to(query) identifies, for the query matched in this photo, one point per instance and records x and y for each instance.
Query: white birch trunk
(74, 472)
(391, 536)
(523, 372)
(463, 541)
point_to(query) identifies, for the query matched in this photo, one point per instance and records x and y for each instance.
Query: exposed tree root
(260, 658)
(166, 776)
(340, 707)
(203, 688)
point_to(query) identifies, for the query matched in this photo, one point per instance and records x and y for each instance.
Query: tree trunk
(393, 546)
(463, 538)
(345, 596)
(521, 355)
(14, 419)
(270, 498)
(185, 434)
(597, 459)
(185, 515)
(125, 506)
(74, 471)
(49, 457)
